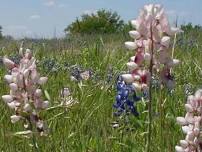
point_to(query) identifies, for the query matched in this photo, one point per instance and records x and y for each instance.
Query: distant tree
(103, 21)
(189, 27)
(1, 36)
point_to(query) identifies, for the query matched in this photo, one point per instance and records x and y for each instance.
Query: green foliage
(189, 27)
(1, 36)
(103, 21)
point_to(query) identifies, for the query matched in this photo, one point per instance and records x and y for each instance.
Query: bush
(102, 21)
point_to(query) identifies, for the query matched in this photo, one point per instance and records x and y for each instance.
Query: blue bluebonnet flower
(125, 98)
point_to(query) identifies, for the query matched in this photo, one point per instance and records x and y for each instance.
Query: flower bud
(15, 118)
(134, 34)
(147, 56)
(131, 45)
(28, 54)
(188, 108)
(8, 63)
(165, 41)
(45, 104)
(132, 65)
(181, 121)
(26, 73)
(135, 24)
(198, 93)
(128, 78)
(11, 105)
(42, 80)
(8, 78)
(7, 98)
(184, 143)
(38, 92)
(27, 107)
(132, 59)
(13, 86)
(137, 86)
(179, 149)
(185, 129)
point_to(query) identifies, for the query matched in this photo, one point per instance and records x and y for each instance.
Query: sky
(44, 18)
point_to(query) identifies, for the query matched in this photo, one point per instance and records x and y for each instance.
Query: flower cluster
(66, 98)
(151, 42)
(26, 96)
(191, 124)
(125, 98)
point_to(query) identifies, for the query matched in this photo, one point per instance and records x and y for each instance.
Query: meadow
(87, 126)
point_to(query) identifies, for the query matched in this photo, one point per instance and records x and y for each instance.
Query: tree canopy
(103, 21)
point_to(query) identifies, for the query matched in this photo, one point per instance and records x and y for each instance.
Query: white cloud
(50, 3)
(89, 12)
(34, 17)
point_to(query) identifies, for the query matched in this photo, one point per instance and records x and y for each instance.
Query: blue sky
(39, 18)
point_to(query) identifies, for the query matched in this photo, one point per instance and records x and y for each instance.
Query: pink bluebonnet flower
(191, 124)
(151, 41)
(26, 95)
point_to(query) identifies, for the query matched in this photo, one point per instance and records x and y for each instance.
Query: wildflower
(152, 32)
(191, 124)
(25, 96)
(66, 98)
(125, 98)
(151, 42)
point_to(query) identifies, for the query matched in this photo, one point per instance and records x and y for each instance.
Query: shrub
(103, 21)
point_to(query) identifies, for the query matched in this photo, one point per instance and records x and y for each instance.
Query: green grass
(86, 127)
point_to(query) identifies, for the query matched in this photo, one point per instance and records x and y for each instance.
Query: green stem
(36, 149)
(149, 129)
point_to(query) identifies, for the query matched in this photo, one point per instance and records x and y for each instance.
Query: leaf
(47, 95)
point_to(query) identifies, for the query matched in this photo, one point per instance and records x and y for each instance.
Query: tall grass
(87, 126)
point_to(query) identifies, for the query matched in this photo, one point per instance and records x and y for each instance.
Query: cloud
(50, 3)
(89, 12)
(34, 17)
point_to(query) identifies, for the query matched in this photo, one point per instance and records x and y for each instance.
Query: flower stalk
(153, 57)
(26, 95)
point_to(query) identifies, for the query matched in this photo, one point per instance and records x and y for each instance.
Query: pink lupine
(152, 54)
(151, 42)
(191, 124)
(25, 96)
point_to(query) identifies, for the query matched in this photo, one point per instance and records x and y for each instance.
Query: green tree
(1, 36)
(103, 21)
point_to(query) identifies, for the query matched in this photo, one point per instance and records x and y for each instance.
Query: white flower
(134, 34)
(132, 65)
(42, 80)
(165, 41)
(181, 121)
(131, 45)
(179, 149)
(7, 98)
(128, 78)
(8, 78)
(15, 118)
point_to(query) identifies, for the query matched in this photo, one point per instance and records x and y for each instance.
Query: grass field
(87, 125)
